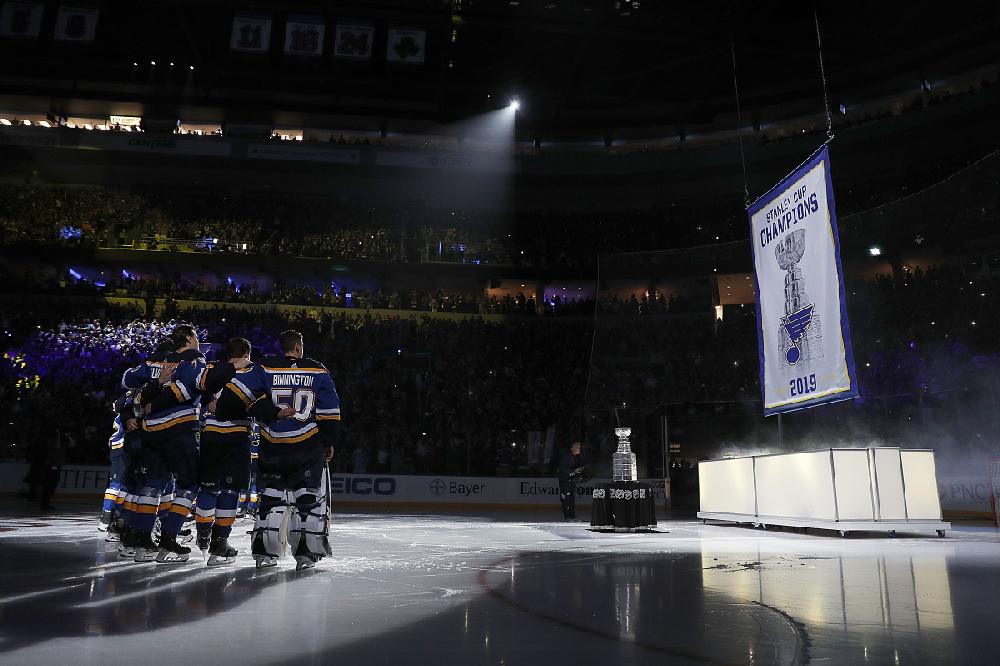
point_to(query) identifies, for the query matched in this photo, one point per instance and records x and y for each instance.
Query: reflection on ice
(874, 603)
(485, 591)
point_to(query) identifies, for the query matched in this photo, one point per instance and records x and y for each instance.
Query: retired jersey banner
(21, 19)
(251, 33)
(803, 337)
(76, 24)
(354, 41)
(304, 35)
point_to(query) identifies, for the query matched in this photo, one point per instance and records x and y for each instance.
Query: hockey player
(223, 466)
(170, 447)
(130, 415)
(113, 494)
(293, 451)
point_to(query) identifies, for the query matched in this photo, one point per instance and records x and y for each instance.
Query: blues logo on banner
(804, 340)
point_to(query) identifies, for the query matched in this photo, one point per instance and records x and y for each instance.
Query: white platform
(883, 489)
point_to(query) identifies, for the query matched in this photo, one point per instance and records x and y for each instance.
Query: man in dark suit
(571, 469)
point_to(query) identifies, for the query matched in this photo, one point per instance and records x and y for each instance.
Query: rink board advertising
(803, 337)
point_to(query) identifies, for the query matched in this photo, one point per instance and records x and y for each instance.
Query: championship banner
(406, 46)
(21, 19)
(304, 35)
(803, 337)
(76, 24)
(353, 41)
(251, 33)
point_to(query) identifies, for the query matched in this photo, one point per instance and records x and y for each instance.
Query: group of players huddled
(182, 446)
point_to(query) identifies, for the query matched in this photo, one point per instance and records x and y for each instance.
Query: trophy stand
(624, 505)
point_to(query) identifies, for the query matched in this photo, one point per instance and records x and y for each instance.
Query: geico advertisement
(465, 490)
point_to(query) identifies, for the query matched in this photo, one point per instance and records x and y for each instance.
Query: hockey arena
(498, 332)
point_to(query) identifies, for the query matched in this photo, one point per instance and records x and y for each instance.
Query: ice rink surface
(512, 589)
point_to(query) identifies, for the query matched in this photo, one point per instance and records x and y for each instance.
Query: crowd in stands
(288, 293)
(212, 221)
(464, 396)
(285, 293)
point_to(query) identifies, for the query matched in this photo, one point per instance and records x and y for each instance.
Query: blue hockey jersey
(300, 383)
(175, 408)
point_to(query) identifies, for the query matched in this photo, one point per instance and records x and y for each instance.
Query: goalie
(294, 453)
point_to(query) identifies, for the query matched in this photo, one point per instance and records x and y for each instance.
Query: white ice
(406, 589)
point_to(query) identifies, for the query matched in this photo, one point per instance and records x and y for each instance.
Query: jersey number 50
(301, 400)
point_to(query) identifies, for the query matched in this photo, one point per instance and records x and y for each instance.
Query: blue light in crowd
(126, 274)
(99, 284)
(229, 281)
(76, 275)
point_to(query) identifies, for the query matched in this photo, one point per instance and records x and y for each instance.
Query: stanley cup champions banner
(803, 337)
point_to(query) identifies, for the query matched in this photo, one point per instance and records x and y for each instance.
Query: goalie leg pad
(308, 525)
(267, 530)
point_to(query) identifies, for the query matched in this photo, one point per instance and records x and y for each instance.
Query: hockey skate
(144, 548)
(113, 534)
(266, 561)
(126, 547)
(304, 559)
(171, 551)
(104, 521)
(185, 535)
(221, 552)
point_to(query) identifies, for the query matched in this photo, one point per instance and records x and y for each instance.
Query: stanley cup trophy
(623, 460)
(800, 326)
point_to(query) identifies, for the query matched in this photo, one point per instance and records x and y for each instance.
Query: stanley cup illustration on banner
(800, 332)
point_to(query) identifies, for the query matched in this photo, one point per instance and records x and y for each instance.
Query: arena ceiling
(573, 63)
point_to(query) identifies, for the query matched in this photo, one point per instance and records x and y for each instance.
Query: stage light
(515, 104)
(191, 68)
(875, 251)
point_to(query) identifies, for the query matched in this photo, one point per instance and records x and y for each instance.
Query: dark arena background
(502, 229)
